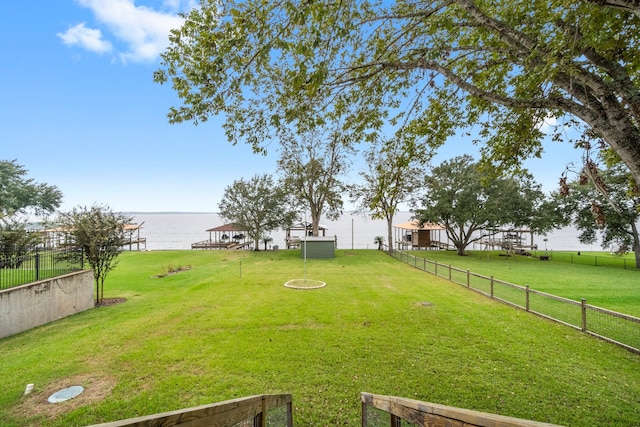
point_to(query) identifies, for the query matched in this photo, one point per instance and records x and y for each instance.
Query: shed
(318, 247)
(305, 228)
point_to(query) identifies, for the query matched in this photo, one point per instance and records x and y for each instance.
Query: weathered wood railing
(396, 409)
(275, 410)
(270, 410)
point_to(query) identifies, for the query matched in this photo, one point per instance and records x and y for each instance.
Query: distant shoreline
(167, 213)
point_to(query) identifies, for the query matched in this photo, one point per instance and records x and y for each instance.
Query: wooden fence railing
(617, 328)
(269, 410)
(378, 410)
(275, 410)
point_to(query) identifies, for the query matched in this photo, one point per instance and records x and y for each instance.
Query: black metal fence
(618, 328)
(19, 266)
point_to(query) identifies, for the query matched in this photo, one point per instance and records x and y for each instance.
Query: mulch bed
(110, 301)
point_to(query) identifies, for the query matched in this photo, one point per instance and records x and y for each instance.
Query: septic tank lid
(65, 394)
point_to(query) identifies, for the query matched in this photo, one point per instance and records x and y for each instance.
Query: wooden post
(290, 414)
(436, 268)
(468, 278)
(583, 303)
(491, 287)
(259, 419)
(526, 297)
(449, 271)
(364, 414)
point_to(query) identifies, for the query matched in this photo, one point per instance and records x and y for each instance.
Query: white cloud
(172, 4)
(86, 38)
(548, 124)
(142, 31)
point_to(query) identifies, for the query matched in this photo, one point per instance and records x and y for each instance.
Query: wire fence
(595, 260)
(617, 328)
(20, 266)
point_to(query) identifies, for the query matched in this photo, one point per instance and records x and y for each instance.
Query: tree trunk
(636, 243)
(315, 222)
(390, 233)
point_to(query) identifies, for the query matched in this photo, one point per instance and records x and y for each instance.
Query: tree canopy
(312, 166)
(458, 196)
(257, 206)
(600, 203)
(425, 67)
(19, 194)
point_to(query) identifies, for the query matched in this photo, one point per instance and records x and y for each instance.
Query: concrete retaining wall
(27, 306)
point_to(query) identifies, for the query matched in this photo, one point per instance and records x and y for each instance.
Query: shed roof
(302, 225)
(227, 227)
(415, 225)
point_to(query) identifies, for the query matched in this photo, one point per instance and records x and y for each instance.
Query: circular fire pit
(305, 284)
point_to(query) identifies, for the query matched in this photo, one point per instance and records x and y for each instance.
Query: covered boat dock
(411, 235)
(227, 236)
(132, 237)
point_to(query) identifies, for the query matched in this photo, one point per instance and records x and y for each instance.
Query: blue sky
(80, 111)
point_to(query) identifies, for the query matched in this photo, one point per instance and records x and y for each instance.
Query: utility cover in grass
(305, 284)
(65, 394)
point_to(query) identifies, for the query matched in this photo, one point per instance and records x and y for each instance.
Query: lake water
(180, 230)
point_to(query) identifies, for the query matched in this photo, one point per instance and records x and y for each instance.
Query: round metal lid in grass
(65, 394)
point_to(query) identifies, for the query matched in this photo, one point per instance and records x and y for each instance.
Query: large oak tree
(282, 66)
(459, 195)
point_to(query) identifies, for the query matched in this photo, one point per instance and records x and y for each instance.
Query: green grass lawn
(227, 328)
(607, 287)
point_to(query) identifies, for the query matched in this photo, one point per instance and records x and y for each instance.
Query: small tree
(15, 241)
(266, 240)
(392, 175)
(100, 234)
(258, 206)
(379, 240)
(19, 194)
